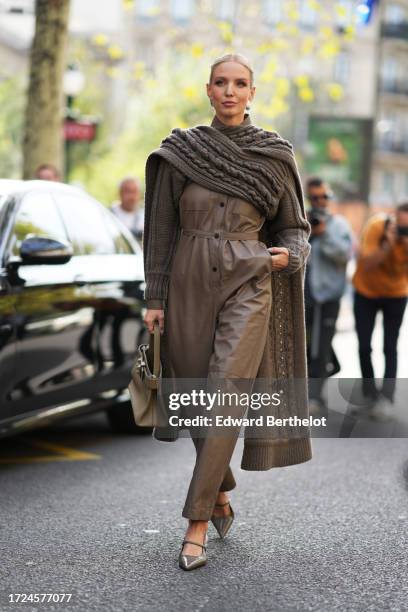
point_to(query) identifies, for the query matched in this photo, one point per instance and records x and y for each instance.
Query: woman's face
(230, 90)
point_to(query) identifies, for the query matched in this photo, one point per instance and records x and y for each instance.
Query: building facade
(389, 180)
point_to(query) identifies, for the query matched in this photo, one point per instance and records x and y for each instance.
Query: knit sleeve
(291, 227)
(161, 231)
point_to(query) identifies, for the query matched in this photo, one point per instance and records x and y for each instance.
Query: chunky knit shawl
(243, 164)
(259, 166)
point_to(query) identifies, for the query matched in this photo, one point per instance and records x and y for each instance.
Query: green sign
(338, 150)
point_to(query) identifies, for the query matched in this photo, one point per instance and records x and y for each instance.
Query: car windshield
(3, 199)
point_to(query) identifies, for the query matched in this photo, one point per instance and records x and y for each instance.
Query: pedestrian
(48, 172)
(225, 242)
(325, 282)
(128, 209)
(381, 284)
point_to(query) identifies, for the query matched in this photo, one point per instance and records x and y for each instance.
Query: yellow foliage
(326, 31)
(282, 44)
(287, 28)
(277, 107)
(306, 94)
(335, 91)
(281, 27)
(293, 14)
(197, 50)
(340, 10)
(100, 40)
(112, 72)
(314, 5)
(154, 10)
(302, 80)
(349, 32)
(268, 73)
(264, 47)
(115, 52)
(128, 4)
(307, 45)
(282, 87)
(191, 92)
(139, 70)
(225, 29)
(329, 49)
(150, 83)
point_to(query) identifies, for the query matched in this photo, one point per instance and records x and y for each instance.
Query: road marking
(63, 453)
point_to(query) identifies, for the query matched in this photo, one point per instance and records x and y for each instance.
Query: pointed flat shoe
(190, 562)
(223, 523)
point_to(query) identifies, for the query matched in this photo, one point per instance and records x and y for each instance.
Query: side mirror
(38, 250)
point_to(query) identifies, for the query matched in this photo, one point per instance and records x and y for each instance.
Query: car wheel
(121, 420)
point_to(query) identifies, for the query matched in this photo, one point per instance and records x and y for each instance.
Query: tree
(43, 118)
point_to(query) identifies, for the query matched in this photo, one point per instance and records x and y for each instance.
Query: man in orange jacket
(381, 284)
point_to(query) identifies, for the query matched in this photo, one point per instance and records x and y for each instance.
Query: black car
(71, 302)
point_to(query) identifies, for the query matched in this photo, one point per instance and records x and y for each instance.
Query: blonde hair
(233, 57)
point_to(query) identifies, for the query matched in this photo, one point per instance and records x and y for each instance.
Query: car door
(53, 315)
(7, 320)
(111, 265)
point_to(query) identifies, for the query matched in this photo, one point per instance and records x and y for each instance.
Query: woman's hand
(280, 258)
(153, 315)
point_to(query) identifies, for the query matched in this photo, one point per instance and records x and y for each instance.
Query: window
(389, 72)
(17, 6)
(147, 8)
(388, 183)
(272, 10)
(307, 14)
(346, 18)
(341, 68)
(86, 226)
(394, 13)
(120, 241)
(182, 10)
(37, 216)
(226, 9)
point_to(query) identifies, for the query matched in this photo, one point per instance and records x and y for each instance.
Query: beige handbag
(143, 387)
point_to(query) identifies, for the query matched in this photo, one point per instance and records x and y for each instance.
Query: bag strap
(156, 348)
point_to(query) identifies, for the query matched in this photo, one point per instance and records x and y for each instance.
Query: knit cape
(244, 163)
(254, 164)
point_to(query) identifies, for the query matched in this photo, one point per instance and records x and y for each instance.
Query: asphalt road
(86, 512)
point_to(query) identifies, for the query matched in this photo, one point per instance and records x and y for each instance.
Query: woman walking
(225, 243)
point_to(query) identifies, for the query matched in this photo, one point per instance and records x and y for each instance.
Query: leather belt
(221, 234)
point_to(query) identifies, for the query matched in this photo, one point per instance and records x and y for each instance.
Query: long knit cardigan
(259, 166)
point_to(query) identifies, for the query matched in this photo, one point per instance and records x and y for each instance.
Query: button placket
(218, 241)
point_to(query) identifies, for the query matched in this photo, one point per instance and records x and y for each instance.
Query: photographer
(381, 283)
(331, 242)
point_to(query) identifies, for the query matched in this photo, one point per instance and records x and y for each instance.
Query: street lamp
(73, 84)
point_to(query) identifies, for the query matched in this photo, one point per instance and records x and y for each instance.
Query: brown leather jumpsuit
(217, 318)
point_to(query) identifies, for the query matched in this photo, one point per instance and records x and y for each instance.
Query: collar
(217, 123)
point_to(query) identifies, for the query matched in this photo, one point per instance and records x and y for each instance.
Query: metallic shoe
(190, 562)
(223, 523)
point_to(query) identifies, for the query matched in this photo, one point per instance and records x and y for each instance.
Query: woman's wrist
(155, 304)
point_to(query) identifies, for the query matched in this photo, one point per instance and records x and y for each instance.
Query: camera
(402, 230)
(316, 217)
